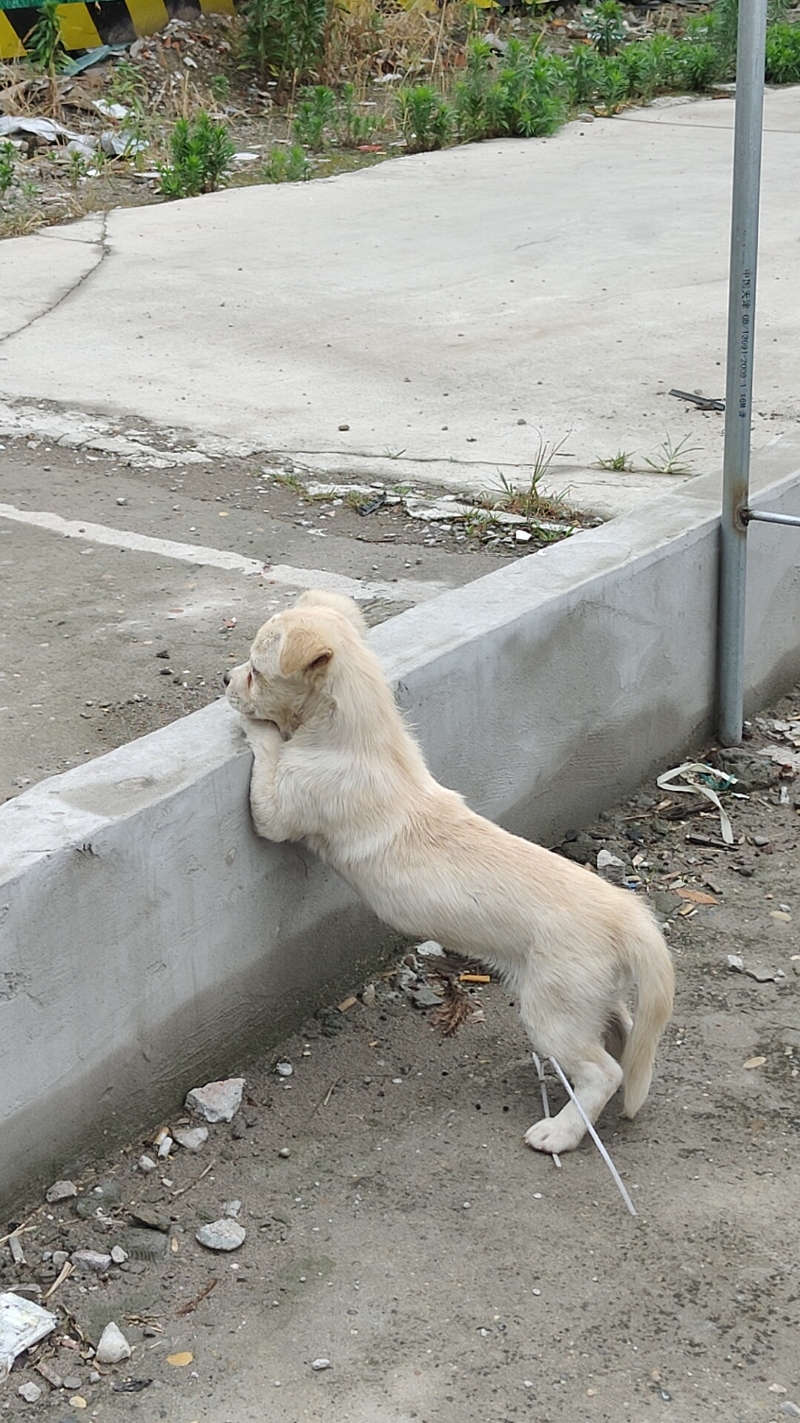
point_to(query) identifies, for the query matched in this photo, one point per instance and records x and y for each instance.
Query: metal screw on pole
(752, 28)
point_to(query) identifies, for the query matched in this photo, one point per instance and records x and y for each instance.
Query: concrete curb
(149, 941)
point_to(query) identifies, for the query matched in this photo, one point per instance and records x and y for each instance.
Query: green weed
(671, 459)
(8, 166)
(43, 44)
(606, 27)
(783, 54)
(287, 165)
(424, 117)
(201, 153)
(283, 39)
(315, 113)
(621, 461)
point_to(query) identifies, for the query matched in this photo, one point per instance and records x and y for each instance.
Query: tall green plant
(44, 46)
(605, 26)
(283, 39)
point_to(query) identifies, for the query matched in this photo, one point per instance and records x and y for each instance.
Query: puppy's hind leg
(595, 1078)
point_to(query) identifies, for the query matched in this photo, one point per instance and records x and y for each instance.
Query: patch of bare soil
(406, 1257)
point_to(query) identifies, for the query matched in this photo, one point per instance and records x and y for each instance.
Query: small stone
(786, 1407)
(320, 1364)
(284, 1152)
(151, 1217)
(95, 1261)
(423, 996)
(118, 1255)
(735, 962)
(430, 950)
(344, 427)
(522, 536)
(60, 1258)
(146, 1164)
(222, 1234)
(611, 867)
(231, 1208)
(122, 501)
(71, 1383)
(113, 1347)
(31, 1392)
(61, 1191)
(284, 1069)
(191, 1138)
(368, 995)
(217, 1101)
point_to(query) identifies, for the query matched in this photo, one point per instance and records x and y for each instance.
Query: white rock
(284, 1069)
(118, 1255)
(225, 1234)
(113, 1346)
(146, 1163)
(430, 950)
(320, 1364)
(607, 861)
(61, 1191)
(95, 1260)
(191, 1138)
(217, 1101)
(231, 1208)
(31, 1392)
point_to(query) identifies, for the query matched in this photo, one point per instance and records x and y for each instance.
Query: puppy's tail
(651, 966)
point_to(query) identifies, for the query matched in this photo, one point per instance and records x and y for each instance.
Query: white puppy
(335, 766)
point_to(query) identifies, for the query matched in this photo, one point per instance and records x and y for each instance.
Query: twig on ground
(183, 1189)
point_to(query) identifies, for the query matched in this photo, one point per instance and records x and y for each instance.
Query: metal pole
(763, 516)
(751, 43)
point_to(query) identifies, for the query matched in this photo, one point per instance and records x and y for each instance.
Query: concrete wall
(149, 941)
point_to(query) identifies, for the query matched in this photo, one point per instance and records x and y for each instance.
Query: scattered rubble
(382, 1136)
(217, 1101)
(223, 1234)
(112, 1346)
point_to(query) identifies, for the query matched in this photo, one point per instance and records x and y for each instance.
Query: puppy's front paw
(554, 1134)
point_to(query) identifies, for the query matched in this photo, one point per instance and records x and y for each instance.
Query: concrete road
(433, 320)
(438, 309)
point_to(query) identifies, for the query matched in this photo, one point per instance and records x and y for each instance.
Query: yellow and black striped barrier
(87, 26)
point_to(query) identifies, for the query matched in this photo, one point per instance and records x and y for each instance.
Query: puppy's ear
(320, 598)
(304, 649)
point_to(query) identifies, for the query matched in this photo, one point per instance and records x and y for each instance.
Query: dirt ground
(127, 636)
(397, 1227)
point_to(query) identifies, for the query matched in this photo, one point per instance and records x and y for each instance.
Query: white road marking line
(404, 590)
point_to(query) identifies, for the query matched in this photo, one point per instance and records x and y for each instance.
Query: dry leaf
(456, 1007)
(696, 896)
(179, 1361)
(754, 1062)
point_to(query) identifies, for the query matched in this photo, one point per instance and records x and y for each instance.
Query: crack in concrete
(104, 251)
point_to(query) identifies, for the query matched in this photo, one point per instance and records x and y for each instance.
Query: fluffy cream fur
(335, 766)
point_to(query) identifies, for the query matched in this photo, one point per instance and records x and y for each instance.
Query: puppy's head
(290, 660)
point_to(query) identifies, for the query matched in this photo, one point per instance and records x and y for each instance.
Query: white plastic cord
(595, 1138)
(545, 1101)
